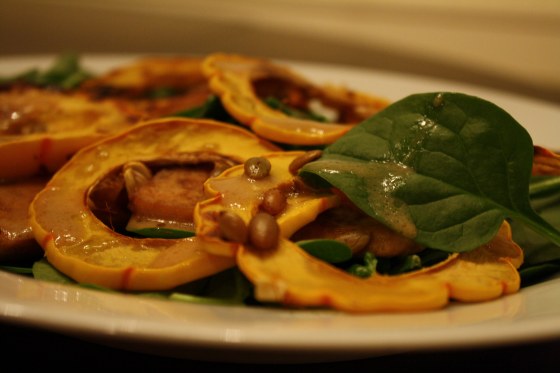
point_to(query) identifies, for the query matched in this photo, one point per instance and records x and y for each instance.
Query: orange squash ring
(233, 79)
(80, 245)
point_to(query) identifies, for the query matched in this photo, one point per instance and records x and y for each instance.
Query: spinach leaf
(330, 251)
(20, 270)
(538, 273)
(159, 232)
(442, 168)
(365, 270)
(539, 249)
(43, 270)
(211, 109)
(64, 73)
(227, 287)
(277, 104)
(542, 186)
(399, 264)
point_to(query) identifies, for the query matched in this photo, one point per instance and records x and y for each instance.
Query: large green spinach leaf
(443, 168)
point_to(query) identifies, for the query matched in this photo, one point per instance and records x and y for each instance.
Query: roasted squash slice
(292, 277)
(481, 274)
(42, 129)
(157, 86)
(244, 84)
(545, 161)
(288, 275)
(83, 247)
(234, 191)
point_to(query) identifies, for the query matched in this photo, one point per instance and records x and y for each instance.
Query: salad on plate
(232, 179)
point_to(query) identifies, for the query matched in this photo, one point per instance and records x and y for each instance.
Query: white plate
(240, 334)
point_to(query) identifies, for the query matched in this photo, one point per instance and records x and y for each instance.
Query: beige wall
(513, 44)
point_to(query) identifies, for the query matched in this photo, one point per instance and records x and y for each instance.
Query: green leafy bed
(445, 169)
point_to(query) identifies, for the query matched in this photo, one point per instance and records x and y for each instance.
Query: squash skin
(81, 246)
(231, 77)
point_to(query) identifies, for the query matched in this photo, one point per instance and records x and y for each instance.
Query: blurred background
(511, 45)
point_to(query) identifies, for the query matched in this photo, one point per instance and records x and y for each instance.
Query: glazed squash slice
(252, 88)
(42, 129)
(154, 85)
(91, 247)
